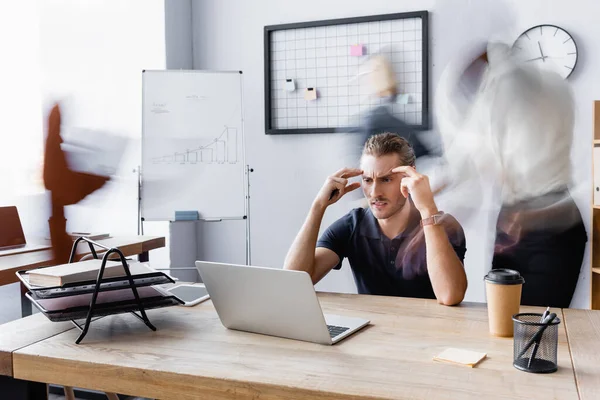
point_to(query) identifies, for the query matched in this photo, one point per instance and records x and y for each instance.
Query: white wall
(178, 34)
(228, 34)
(20, 116)
(92, 55)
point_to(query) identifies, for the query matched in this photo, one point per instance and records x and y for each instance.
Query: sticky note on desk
(357, 50)
(290, 85)
(461, 357)
(310, 94)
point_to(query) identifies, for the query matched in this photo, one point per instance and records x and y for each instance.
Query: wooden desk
(193, 356)
(129, 245)
(583, 330)
(18, 334)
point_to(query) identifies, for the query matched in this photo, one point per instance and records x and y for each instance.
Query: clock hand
(543, 58)
(541, 52)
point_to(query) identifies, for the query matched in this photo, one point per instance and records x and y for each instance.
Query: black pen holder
(535, 343)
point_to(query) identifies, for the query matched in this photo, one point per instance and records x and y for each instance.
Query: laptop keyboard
(336, 330)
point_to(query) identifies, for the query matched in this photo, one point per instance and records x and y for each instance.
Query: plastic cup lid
(504, 276)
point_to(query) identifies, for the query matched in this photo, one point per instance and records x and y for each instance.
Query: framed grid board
(313, 71)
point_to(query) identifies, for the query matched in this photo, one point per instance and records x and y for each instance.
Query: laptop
(12, 238)
(273, 302)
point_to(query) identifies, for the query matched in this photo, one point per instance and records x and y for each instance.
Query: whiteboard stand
(248, 248)
(193, 131)
(140, 219)
(140, 225)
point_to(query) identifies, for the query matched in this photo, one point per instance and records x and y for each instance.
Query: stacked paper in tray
(186, 215)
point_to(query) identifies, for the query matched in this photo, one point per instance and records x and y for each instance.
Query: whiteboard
(192, 145)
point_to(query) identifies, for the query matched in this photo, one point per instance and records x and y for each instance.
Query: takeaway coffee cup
(503, 292)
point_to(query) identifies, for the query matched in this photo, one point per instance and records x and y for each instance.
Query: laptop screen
(11, 231)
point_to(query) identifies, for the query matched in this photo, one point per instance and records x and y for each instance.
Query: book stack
(60, 275)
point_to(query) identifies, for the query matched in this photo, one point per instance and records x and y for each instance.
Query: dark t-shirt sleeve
(337, 237)
(456, 236)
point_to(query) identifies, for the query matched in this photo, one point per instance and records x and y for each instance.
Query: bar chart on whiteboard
(192, 145)
(223, 149)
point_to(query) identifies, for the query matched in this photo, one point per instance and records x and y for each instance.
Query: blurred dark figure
(66, 186)
(381, 119)
(544, 239)
(518, 124)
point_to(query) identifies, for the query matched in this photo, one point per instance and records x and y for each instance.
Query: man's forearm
(445, 269)
(301, 256)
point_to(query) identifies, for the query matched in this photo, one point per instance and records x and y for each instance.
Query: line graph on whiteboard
(221, 150)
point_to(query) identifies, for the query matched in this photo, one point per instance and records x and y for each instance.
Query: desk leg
(84, 393)
(144, 257)
(16, 389)
(25, 303)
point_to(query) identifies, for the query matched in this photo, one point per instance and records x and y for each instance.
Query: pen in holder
(536, 342)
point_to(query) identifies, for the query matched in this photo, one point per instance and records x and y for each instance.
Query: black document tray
(97, 298)
(103, 309)
(74, 288)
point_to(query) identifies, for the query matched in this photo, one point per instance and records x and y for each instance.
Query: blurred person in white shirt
(513, 122)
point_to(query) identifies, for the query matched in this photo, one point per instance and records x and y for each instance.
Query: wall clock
(549, 47)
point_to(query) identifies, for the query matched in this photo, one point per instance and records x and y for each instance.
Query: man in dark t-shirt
(401, 245)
